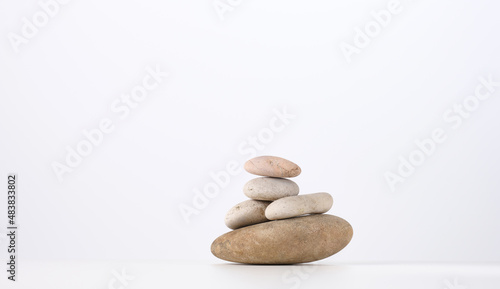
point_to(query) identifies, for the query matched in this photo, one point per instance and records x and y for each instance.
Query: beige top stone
(288, 207)
(290, 241)
(270, 189)
(270, 166)
(246, 213)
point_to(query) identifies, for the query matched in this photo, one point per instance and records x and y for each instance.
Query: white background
(352, 122)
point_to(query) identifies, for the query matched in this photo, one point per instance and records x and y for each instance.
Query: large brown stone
(270, 166)
(290, 241)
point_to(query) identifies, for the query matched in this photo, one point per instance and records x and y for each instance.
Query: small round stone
(269, 166)
(289, 207)
(270, 189)
(246, 213)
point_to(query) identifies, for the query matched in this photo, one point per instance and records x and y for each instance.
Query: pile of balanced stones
(277, 225)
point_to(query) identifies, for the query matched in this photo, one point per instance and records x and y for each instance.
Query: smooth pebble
(246, 213)
(270, 166)
(270, 189)
(289, 207)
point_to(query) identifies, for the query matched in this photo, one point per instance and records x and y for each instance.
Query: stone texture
(294, 206)
(246, 213)
(270, 189)
(290, 241)
(270, 166)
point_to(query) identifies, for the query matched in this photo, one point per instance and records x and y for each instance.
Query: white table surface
(218, 274)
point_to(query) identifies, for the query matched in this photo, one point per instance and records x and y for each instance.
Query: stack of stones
(277, 226)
